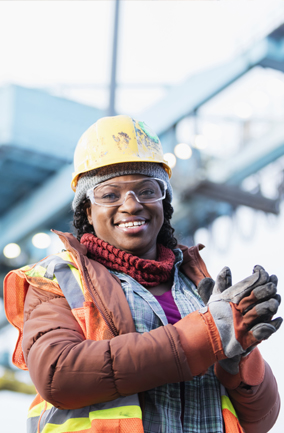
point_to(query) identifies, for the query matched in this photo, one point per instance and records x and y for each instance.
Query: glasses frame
(91, 197)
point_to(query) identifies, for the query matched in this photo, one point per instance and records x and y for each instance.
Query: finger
(244, 288)
(205, 288)
(262, 331)
(262, 312)
(273, 279)
(263, 275)
(278, 298)
(277, 322)
(223, 280)
(267, 309)
(258, 294)
(265, 292)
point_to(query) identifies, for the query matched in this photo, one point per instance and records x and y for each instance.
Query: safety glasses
(144, 190)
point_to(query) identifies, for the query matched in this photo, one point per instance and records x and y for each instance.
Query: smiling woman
(130, 214)
(124, 331)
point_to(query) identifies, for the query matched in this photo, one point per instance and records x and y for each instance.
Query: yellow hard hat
(114, 140)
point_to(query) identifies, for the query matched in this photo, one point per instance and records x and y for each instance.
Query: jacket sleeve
(71, 372)
(253, 392)
(257, 407)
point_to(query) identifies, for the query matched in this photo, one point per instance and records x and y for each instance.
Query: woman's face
(108, 223)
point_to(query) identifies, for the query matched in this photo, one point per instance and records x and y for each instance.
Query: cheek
(101, 220)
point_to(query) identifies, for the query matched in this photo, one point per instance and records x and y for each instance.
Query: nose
(130, 204)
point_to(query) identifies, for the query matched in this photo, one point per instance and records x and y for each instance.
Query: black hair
(165, 236)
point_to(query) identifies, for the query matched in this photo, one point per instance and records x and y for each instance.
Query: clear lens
(114, 194)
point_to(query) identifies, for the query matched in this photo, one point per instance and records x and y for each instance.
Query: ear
(89, 215)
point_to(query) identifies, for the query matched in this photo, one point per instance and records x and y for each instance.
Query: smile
(132, 224)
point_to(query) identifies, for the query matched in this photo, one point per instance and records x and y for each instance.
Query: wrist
(200, 341)
(251, 371)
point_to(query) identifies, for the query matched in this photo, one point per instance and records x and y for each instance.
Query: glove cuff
(200, 341)
(251, 371)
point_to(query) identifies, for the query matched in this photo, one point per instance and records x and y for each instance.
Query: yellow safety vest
(60, 274)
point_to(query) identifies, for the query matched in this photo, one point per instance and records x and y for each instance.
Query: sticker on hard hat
(149, 145)
(149, 132)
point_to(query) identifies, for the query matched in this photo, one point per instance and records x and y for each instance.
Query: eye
(147, 192)
(111, 196)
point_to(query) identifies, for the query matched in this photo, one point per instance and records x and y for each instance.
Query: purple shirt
(169, 306)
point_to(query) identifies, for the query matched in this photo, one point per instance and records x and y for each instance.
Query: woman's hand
(253, 303)
(235, 319)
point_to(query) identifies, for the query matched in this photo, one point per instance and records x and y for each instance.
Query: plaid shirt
(163, 405)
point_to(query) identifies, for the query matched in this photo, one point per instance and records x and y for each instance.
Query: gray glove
(242, 312)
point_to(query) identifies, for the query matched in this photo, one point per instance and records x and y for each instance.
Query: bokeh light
(41, 240)
(183, 151)
(200, 142)
(171, 159)
(11, 251)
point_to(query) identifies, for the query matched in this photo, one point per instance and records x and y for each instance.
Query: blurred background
(207, 76)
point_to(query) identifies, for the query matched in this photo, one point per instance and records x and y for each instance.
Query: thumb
(262, 331)
(223, 280)
(205, 288)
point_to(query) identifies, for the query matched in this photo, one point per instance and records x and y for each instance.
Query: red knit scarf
(149, 273)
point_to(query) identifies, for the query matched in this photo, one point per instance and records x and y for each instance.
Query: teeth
(132, 224)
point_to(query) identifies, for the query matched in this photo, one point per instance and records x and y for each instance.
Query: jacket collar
(70, 242)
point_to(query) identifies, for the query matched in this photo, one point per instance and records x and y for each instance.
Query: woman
(114, 333)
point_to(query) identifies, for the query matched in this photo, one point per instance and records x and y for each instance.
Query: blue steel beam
(41, 127)
(32, 213)
(250, 159)
(187, 97)
(37, 121)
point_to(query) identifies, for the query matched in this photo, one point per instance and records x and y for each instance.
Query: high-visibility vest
(61, 275)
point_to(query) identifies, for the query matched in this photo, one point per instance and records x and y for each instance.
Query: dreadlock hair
(165, 236)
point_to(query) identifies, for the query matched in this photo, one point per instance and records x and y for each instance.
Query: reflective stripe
(66, 256)
(61, 269)
(25, 268)
(227, 404)
(69, 285)
(117, 413)
(60, 415)
(77, 424)
(73, 424)
(39, 271)
(36, 410)
(76, 275)
(32, 424)
(58, 421)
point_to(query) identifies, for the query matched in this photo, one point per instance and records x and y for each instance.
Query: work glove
(252, 311)
(235, 319)
(243, 312)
